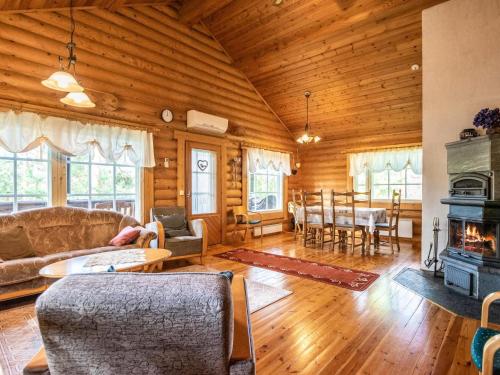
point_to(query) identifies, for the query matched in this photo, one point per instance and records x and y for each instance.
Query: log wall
(134, 62)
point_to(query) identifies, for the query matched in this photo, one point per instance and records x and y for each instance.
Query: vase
(494, 130)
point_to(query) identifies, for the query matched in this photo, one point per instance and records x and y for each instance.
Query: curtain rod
(6, 105)
(368, 149)
(254, 145)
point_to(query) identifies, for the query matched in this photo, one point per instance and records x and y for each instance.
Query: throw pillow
(126, 236)
(174, 225)
(15, 244)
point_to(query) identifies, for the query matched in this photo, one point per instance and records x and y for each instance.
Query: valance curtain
(378, 161)
(22, 132)
(259, 159)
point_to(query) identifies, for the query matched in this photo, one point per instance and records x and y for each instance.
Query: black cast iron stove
(472, 258)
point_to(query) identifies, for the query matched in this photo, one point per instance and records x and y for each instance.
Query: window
(203, 181)
(24, 180)
(265, 190)
(377, 169)
(95, 183)
(383, 183)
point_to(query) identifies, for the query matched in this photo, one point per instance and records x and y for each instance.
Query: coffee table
(122, 261)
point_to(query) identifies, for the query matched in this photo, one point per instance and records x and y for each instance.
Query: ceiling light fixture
(307, 137)
(78, 99)
(278, 2)
(63, 80)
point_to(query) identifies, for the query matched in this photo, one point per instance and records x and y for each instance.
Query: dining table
(366, 216)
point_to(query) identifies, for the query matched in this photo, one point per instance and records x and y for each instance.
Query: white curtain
(22, 132)
(378, 161)
(259, 159)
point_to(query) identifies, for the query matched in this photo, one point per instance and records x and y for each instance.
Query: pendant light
(78, 99)
(63, 80)
(307, 137)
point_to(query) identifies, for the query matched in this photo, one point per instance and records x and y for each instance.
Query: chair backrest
(395, 208)
(314, 211)
(165, 211)
(363, 198)
(347, 201)
(182, 320)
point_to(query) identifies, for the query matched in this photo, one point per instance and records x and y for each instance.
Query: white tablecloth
(364, 216)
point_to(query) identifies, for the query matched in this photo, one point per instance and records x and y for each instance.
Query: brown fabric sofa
(58, 233)
(157, 323)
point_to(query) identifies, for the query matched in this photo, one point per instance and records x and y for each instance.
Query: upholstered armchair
(184, 238)
(485, 346)
(159, 323)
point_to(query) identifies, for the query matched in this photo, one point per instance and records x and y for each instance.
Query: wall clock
(167, 115)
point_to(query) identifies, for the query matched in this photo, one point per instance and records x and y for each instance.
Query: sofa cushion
(185, 245)
(14, 244)
(19, 270)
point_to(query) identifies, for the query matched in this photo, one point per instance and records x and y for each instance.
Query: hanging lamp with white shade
(307, 137)
(63, 80)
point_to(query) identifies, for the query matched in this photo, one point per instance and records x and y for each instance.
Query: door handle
(188, 195)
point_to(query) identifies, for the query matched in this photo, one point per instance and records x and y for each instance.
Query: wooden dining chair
(348, 201)
(314, 223)
(245, 220)
(392, 227)
(296, 202)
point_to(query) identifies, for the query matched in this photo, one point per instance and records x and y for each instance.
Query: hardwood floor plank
(323, 329)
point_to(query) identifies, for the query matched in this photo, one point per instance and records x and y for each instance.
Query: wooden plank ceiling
(34, 5)
(354, 55)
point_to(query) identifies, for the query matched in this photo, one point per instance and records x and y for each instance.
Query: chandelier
(63, 80)
(307, 137)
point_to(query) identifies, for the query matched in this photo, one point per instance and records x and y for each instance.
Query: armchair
(245, 220)
(486, 341)
(160, 323)
(192, 243)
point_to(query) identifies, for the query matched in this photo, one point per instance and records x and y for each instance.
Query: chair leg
(202, 261)
(261, 233)
(390, 241)
(322, 237)
(397, 239)
(353, 241)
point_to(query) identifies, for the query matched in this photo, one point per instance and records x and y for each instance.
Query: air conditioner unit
(205, 123)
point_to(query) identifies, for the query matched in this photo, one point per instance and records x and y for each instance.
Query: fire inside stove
(474, 237)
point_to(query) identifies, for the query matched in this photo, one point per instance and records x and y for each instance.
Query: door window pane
(203, 181)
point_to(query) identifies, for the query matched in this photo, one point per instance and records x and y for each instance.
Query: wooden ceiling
(354, 55)
(34, 5)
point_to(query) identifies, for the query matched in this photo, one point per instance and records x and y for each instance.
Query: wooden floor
(323, 329)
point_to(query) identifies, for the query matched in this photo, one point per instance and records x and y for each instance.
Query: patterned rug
(327, 273)
(20, 339)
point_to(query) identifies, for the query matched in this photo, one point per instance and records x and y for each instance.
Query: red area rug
(327, 273)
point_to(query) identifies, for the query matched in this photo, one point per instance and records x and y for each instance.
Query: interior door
(203, 190)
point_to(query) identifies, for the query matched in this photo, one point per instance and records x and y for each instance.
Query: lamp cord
(71, 45)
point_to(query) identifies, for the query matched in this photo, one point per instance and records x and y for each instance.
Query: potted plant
(488, 119)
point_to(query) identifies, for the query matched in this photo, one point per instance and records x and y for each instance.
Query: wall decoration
(202, 165)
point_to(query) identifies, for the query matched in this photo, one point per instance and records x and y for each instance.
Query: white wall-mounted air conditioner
(205, 123)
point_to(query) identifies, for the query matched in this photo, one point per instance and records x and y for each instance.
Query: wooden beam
(193, 11)
(111, 5)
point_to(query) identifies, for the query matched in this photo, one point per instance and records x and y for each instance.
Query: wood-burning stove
(472, 258)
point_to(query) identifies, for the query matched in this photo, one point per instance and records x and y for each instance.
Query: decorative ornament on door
(202, 164)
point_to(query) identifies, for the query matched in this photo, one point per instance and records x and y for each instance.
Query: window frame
(58, 183)
(15, 159)
(369, 183)
(112, 196)
(280, 198)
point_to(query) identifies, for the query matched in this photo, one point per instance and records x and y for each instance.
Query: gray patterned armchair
(130, 323)
(185, 239)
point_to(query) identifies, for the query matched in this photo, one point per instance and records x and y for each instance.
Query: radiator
(268, 229)
(405, 229)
